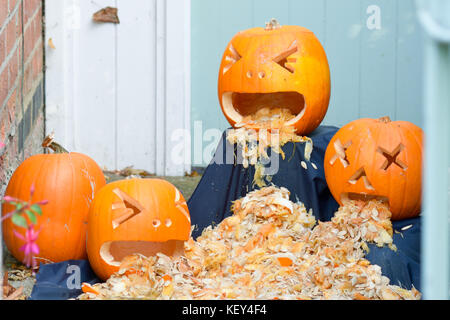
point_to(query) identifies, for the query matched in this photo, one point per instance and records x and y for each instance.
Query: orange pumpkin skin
(288, 59)
(68, 181)
(160, 217)
(377, 158)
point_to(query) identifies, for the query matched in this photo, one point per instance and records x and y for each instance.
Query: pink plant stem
(7, 216)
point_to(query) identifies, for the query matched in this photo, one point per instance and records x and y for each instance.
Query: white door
(120, 93)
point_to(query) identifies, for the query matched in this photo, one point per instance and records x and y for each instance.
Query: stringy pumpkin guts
(262, 130)
(268, 249)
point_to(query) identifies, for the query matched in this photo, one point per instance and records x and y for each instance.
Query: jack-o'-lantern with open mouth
(135, 216)
(377, 159)
(275, 68)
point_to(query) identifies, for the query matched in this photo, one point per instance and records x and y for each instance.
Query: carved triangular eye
(284, 59)
(180, 205)
(124, 210)
(361, 173)
(231, 58)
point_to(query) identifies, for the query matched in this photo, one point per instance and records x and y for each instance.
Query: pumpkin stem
(385, 119)
(272, 24)
(51, 144)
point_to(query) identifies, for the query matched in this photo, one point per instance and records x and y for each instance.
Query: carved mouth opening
(238, 105)
(113, 252)
(347, 196)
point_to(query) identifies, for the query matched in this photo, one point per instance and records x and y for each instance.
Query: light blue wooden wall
(374, 72)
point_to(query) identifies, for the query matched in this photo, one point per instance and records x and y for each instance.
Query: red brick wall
(21, 83)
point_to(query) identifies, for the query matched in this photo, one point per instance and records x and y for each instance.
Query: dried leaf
(51, 44)
(107, 14)
(9, 292)
(15, 295)
(192, 174)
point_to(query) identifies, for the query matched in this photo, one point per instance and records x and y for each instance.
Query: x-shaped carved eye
(340, 152)
(231, 58)
(124, 210)
(284, 59)
(391, 157)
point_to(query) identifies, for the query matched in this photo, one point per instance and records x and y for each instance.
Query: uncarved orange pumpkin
(275, 67)
(69, 182)
(377, 158)
(143, 216)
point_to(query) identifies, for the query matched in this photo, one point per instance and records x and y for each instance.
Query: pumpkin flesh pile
(267, 118)
(268, 249)
(266, 128)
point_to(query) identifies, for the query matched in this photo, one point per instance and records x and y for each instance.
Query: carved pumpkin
(143, 216)
(275, 67)
(69, 182)
(382, 159)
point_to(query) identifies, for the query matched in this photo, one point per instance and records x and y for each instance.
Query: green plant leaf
(9, 202)
(31, 216)
(19, 220)
(37, 209)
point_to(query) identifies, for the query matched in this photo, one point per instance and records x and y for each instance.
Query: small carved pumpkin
(275, 67)
(69, 182)
(143, 216)
(381, 159)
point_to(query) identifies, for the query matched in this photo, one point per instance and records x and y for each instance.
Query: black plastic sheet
(62, 281)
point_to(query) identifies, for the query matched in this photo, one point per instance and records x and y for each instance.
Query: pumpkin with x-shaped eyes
(275, 67)
(381, 159)
(144, 216)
